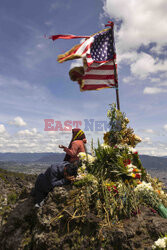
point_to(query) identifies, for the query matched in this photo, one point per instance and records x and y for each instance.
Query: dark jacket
(53, 176)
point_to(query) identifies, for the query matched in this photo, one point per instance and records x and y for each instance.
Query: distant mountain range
(149, 162)
(154, 162)
(32, 157)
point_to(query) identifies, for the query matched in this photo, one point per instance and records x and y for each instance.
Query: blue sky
(34, 86)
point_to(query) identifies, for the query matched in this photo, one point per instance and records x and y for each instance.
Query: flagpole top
(110, 24)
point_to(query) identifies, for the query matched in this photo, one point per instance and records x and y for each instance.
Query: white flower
(143, 186)
(132, 150)
(119, 185)
(105, 145)
(161, 243)
(86, 157)
(120, 146)
(130, 167)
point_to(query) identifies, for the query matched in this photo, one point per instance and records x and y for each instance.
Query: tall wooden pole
(117, 96)
(117, 91)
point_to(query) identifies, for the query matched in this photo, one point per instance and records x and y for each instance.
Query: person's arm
(60, 182)
(73, 150)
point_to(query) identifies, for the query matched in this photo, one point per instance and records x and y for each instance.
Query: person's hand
(84, 140)
(61, 146)
(70, 178)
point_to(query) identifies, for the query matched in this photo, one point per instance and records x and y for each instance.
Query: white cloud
(154, 90)
(158, 49)
(156, 149)
(147, 140)
(139, 28)
(150, 131)
(126, 57)
(165, 127)
(143, 65)
(139, 25)
(2, 129)
(163, 84)
(18, 121)
(156, 80)
(146, 64)
(27, 132)
(128, 79)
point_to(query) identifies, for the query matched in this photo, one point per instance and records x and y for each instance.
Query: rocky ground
(55, 225)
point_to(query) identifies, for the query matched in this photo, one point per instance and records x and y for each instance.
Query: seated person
(76, 145)
(57, 175)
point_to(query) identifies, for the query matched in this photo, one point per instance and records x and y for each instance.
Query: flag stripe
(83, 47)
(99, 77)
(86, 49)
(79, 51)
(55, 37)
(97, 82)
(100, 72)
(102, 67)
(69, 55)
(96, 87)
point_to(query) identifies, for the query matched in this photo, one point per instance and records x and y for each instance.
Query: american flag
(99, 77)
(102, 48)
(100, 69)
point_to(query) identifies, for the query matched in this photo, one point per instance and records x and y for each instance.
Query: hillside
(55, 226)
(113, 203)
(154, 162)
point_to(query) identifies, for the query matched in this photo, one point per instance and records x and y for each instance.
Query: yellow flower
(108, 184)
(109, 113)
(126, 120)
(137, 138)
(106, 138)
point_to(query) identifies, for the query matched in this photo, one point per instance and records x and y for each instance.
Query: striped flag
(95, 77)
(99, 68)
(78, 51)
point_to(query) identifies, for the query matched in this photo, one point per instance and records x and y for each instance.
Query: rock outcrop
(57, 226)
